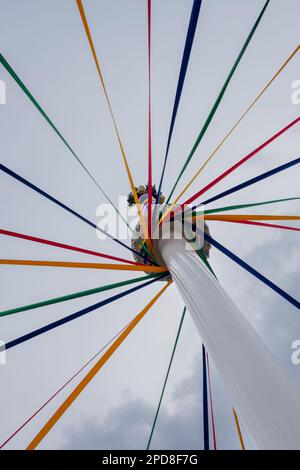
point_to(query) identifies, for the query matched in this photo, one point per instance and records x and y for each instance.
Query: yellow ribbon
(97, 63)
(238, 429)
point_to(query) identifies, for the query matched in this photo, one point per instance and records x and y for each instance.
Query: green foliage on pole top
(140, 190)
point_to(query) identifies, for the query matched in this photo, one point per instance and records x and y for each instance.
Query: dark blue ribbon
(247, 183)
(63, 206)
(205, 402)
(252, 271)
(183, 69)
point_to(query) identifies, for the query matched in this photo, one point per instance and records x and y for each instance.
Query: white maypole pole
(267, 404)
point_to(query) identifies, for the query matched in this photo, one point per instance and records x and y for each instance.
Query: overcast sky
(45, 43)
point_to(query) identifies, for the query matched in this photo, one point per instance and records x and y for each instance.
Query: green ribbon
(243, 206)
(76, 295)
(23, 87)
(166, 378)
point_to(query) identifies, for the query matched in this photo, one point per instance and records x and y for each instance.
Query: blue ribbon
(183, 69)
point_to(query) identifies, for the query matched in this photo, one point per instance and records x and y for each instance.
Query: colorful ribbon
(75, 295)
(252, 181)
(91, 374)
(238, 122)
(241, 162)
(74, 264)
(74, 316)
(35, 188)
(61, 388)
(63, 245)
(226, 173)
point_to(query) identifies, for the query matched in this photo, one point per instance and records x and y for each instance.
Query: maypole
(261, 393)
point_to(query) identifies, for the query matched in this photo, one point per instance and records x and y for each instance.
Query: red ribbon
(63, 245)
(149, 127)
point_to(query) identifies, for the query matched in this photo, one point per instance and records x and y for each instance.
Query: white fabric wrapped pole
(267, 403)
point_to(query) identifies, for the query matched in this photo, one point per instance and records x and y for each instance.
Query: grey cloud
(128, 425)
